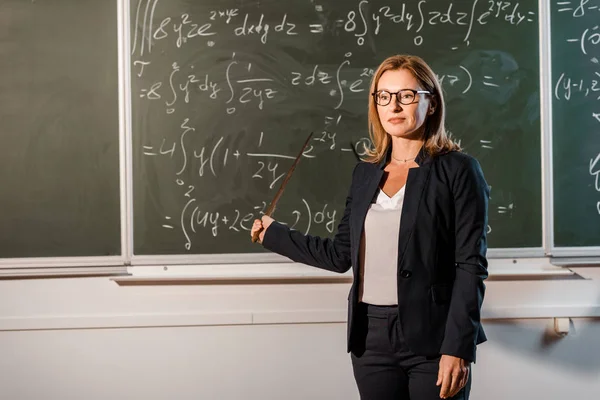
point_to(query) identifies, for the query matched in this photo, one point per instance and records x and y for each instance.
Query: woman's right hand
(258, 225)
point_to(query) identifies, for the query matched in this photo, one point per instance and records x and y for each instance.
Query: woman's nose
(396, 105)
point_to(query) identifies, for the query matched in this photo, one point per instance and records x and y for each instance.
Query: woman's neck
(404, 150)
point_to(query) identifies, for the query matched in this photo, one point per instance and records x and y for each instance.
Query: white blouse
(378, 256)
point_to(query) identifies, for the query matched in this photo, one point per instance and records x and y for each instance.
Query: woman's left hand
(452, 375)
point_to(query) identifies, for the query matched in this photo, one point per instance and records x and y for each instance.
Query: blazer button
(405, 274)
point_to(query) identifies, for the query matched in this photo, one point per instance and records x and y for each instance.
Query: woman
(414, 231)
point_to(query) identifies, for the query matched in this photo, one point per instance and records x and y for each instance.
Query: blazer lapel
(415, 187)
(367, 191)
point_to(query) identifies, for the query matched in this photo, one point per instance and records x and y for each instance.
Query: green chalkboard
(576, 123)
(59, 160)
(225, 92)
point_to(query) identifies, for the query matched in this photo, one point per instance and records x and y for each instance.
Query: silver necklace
(403, 160)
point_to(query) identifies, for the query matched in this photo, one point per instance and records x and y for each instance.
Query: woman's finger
(256, 226)
(458, 382)
(455, 385)
(465, 379)
(446, 384)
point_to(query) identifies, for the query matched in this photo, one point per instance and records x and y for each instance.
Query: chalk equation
(241, 87)
(269, 167)
(578, 8)
(588, 41)
(567, 87)
(211, 158)
(193, 219)
(362, 20)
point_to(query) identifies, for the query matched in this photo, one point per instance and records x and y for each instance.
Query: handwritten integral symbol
(273, 204)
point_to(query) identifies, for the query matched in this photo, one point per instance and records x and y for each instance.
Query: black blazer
(441, 250)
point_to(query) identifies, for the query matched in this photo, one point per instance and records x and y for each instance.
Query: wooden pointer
(271, 207)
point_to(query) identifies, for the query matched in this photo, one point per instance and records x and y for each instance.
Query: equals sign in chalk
(486, 144)
(167, 225)
(316, 28)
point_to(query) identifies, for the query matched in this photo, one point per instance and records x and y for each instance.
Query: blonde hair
(437, 138)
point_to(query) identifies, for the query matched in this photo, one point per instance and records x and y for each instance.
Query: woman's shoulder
(362, 171)
(461, 167)
(458, 160)
(363, 167)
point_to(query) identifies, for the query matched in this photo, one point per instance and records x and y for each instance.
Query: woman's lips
(396, 120)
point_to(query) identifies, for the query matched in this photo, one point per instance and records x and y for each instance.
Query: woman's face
(403, 120)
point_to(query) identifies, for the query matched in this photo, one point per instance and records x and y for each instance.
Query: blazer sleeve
(330, 254)
(471, 195)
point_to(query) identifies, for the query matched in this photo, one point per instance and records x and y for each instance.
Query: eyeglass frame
(414, 92)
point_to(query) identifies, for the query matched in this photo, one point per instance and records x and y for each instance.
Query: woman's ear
(432, 106)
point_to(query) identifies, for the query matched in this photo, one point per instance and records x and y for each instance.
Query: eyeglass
(404, 96)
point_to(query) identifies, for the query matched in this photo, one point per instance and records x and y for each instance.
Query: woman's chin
(413, 135)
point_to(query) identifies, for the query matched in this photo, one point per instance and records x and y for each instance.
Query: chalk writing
(225, 94)
(362, 20)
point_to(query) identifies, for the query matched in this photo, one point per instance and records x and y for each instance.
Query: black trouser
(384, 367)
